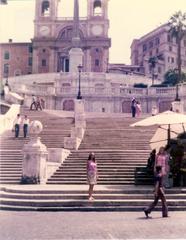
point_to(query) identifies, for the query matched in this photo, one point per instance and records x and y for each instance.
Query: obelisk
(76, 53)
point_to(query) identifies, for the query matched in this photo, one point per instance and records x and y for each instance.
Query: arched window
(97, 8)
(45, 8)
(67, 32)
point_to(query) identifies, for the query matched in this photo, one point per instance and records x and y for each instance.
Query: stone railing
(6, 120)
(35, 89)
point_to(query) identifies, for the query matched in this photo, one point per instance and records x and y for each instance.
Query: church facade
(49, 50)
(53, 37)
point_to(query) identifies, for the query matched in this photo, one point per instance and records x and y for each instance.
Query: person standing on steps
(133, 107)
(25, 126)
(17, 124)
(138, 109)
(33, 103)
(38, 104)
(158, 194)
(91, 174)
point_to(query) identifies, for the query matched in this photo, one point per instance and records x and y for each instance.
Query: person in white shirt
(17, 123)
(26, 122)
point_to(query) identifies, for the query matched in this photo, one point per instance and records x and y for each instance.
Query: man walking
(158, 193)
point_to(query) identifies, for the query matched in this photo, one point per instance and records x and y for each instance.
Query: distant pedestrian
(16, 124)
(158, 194)
(38, 104)
(133, 107)
(33, 103)
(91, 174)
(25, 126)
(138, 109)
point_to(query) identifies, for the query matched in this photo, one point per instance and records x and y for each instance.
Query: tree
(152, 64)
(171, 77)
(177, 24)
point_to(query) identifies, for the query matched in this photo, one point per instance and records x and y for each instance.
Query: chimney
(10, 40)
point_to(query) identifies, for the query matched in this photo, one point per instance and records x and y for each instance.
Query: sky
(129, 19)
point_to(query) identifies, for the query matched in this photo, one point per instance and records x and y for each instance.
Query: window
(150, 53)
(97, 62)
(157, 50)
(44, 63)
(170, 48)
(159, 69)
(97, 50)
(184, 43)
(44, 50)
(45, 8)
(169, 38)
(7, 55)
(150, 44)
(157, 41)
(172, 60)
(30, 61)
(6, 69)
(168, 59)
(144, 47)
(30, 49)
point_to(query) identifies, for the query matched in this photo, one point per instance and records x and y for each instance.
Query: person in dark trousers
(33, 103)
(158, 194)
(25, 125)
(38, 104)
(133, 107)
(151, 161)
(17, 124)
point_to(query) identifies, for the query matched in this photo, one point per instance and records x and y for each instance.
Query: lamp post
(79, 88)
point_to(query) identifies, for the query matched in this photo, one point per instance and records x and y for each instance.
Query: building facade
(52, 41)
(15, 59)
(159, 44)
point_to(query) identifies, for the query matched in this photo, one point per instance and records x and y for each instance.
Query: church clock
(97, 30)
(44, 31)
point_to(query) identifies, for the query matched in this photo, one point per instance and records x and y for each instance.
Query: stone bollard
(178, 106)
(35, 157)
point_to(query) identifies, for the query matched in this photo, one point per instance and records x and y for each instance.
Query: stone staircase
(54, 131)
(119, 149)
(107, 198)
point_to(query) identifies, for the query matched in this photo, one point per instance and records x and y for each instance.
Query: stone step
(84, 202)
(80, 196)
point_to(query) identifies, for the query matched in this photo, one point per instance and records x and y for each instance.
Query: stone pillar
(76, 59)
(77, 132)
(178, 106)
(35, 157)
(80, 121)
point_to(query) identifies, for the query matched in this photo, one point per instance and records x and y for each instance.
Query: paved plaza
(90, 225)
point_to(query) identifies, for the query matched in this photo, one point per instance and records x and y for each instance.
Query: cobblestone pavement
(90, 225)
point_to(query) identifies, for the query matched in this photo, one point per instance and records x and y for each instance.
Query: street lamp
(79, 89)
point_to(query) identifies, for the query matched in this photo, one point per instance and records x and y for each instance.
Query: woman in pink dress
(138, 109)
(91, 174)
